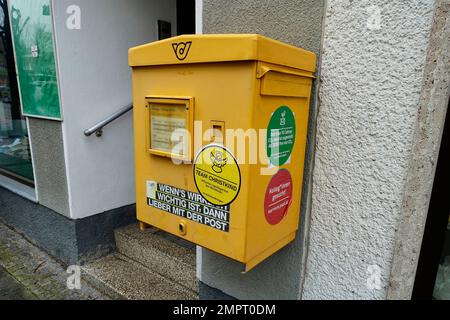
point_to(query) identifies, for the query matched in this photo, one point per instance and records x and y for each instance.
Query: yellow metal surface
(237, 82)
(221, 48)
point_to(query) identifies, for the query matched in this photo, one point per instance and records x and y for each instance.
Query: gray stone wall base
(209, 293)
(71, 241)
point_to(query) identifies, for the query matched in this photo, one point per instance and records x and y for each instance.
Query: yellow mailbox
(220, 136)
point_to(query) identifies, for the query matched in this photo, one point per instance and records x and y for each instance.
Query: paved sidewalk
(10, 289)
(28, 273)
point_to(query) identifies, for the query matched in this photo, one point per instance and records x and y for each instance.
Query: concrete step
(122, 278)
(169, 256)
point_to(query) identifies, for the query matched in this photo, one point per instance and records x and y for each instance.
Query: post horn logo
(182, 49)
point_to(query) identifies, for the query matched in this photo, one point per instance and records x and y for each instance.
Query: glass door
(15, 155)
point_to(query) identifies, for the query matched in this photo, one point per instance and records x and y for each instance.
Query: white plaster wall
(95, 82)
(370, 89)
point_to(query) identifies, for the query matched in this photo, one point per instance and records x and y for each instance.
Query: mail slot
(220, 137)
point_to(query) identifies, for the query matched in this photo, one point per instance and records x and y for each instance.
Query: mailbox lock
(218, 132)
(182, 228)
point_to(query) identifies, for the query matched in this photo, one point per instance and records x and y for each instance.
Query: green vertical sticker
(32, 29)
(281, 136)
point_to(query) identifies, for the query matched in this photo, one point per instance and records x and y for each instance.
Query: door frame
(436, 225)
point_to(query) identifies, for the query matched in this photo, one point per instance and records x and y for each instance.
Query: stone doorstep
(122, 278)
(163, 254)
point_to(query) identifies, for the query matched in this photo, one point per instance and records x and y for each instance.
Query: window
(15, 156)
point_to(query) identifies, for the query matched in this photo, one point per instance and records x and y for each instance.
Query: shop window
(15, 155)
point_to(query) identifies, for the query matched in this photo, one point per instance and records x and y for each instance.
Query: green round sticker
(281, 136)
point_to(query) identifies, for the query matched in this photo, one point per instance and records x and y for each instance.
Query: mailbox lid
(188, 49)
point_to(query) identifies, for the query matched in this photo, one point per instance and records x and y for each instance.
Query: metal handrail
(98, 128)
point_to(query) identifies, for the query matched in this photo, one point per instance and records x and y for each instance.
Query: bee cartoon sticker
(217, 175)
(218, 161)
